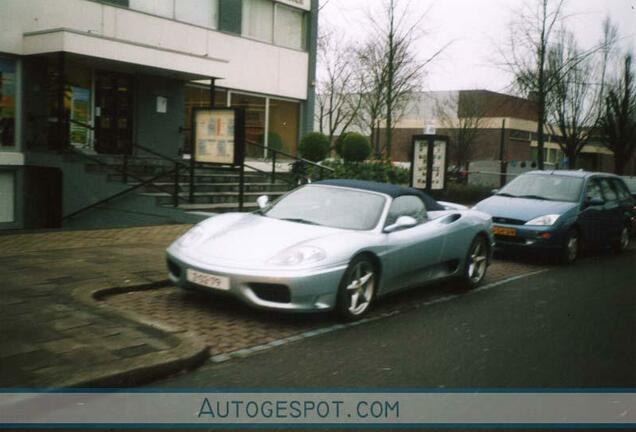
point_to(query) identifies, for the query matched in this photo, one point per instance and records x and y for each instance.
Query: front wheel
(623, 241)
(571, 246)
(357, 289)
(476, 263)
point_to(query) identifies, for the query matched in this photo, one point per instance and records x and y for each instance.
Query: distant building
(105, 76)
(506, 118)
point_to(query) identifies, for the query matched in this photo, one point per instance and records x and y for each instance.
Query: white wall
(154, 41)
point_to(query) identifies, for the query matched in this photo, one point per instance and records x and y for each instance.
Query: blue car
(561, 211)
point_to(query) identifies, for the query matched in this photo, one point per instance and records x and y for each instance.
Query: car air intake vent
(507, 221)
(174, 269)
(271, 292)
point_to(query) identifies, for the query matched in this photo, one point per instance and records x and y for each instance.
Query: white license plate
(208, 280)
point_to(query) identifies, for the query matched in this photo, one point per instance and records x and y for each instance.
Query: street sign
(429, 162)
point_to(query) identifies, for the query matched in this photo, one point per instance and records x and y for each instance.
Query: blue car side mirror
(594, 201)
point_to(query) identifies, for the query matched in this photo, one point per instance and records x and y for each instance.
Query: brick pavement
(227, 325)
(49, 337)
(54, 333)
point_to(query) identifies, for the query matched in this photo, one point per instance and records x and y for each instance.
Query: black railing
(297, 160)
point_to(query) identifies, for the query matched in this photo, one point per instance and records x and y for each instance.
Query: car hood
(250, 239)
(523, 209)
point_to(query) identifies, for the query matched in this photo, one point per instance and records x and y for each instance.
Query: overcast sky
(475, 28)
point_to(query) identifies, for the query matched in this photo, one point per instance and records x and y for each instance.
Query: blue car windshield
(546, 187)
(330, 206)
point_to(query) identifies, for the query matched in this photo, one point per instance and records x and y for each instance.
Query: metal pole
(212, 92)
(241, 186)
(502, 164)
(273, 166)
(175, 198)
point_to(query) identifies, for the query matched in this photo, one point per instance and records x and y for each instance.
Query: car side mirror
(594, 202)
(494, 191)
(401, 223)
(262, 201)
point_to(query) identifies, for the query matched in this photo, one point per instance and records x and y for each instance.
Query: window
(621, 189)
(123, 3)
(593, 191)
(258, 19)
(407, 205)
(283, 125)
(160, 8)
(7, 103)
(199, 12)
(290, 27)
(255, 108)
(230, 16)
(7, 196)
(608, 192)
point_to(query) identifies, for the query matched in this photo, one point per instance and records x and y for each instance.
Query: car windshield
(330, 206)
(547, 187)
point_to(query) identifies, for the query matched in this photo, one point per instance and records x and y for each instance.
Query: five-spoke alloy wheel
(476, 263)
(357, 289)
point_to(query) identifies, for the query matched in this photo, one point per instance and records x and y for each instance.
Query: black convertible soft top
(392, 190)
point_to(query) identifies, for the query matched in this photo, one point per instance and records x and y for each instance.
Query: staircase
(216, 189)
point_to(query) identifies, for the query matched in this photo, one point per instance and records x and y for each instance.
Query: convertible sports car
(334, 244)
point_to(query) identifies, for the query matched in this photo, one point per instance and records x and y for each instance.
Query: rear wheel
(571, 247)
(357, 289)
(476, 263)
(623, 241)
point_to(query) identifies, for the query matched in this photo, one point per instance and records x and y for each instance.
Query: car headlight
(299, 255)
(191, 237)
(546, 220)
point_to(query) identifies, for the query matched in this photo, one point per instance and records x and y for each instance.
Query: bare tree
(338, 97)
(371, 78)
(391, 43)
(464, 117)
(572, 108)
(526, 57)
(618, 122)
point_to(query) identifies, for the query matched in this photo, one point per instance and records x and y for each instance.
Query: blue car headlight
(547, 220)
(299, 255)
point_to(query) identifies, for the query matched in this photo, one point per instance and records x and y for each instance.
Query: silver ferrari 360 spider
(334, 244)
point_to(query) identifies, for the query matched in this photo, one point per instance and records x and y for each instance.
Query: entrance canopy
(178, 64)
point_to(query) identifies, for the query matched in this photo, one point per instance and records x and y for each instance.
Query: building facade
(108, 77)
(503, 128)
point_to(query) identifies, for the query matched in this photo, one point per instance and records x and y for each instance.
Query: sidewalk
(63, 323)
(54, 334)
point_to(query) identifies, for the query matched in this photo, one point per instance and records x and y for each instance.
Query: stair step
(216, 207)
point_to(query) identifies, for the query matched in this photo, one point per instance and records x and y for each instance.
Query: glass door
(113, 113)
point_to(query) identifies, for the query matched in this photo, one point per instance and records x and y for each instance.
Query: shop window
(77, 104)
(290, 27)
(254, 122)
(7, 102)
(283, 125)
(199, 12)
(258, 19)
(230, 15)
(7, 196)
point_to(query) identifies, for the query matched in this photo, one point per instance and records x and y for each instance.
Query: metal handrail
(142, 182)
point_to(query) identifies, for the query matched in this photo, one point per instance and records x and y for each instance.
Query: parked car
(630, 182)
(560, 211)
(334, 244)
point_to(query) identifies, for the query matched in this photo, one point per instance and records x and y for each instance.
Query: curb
(188, 354)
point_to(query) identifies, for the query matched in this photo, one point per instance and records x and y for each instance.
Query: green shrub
(338, 143)
(379, 171)
(355, 147)
(462, 194)
(314, 146)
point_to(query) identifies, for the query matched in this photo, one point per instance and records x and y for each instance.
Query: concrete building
(505, 126)
(107, 77)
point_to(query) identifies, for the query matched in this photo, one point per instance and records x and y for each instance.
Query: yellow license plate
(497, 230)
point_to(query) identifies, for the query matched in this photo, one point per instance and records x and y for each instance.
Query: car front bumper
(529, 237)
(308, 290)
